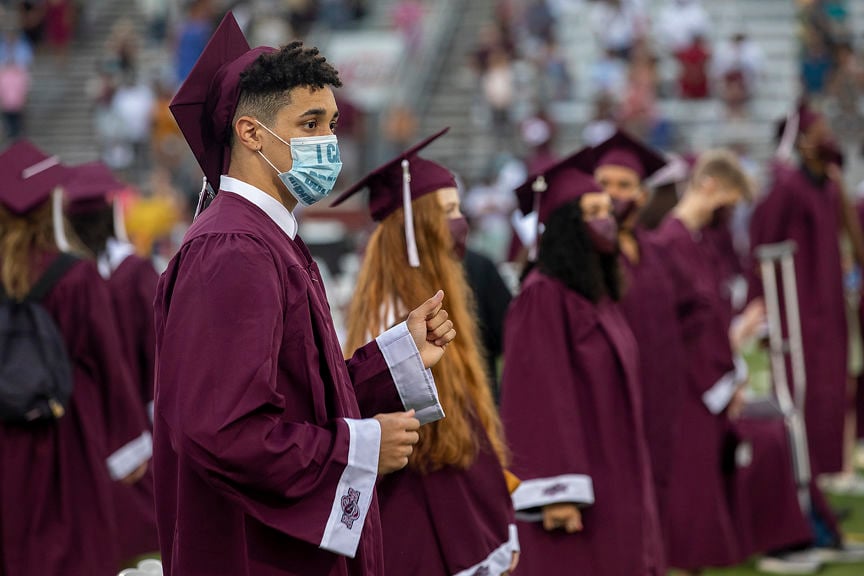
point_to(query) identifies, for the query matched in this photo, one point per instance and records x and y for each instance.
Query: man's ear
(247, 133)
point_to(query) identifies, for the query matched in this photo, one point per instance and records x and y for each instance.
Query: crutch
(791, 404)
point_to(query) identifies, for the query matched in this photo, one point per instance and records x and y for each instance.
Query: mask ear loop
(410, 238)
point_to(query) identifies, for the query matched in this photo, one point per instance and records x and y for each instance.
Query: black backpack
(35, 372)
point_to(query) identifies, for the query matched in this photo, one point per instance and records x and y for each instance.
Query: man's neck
(270, 186)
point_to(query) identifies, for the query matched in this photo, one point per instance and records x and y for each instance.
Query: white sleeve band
(534, 494)
(354, 492)
(414, 382)
(717, 398)
(498, 562)
(131, 456)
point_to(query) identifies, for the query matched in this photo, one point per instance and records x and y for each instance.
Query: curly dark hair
(567, 253)
(265, 86)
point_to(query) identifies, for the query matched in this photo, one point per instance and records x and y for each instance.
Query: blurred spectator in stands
(132, 110)
(407, 17)
(539, 22)
(167, 146)
(336, 14)
(400, 127)
(192, 37)
(16, 57)
(498, 90)
(816, 64)
(608, 75)
(618, 25)
(680, 23)
(737, 66)
(31, 18)
(157, 14)
(693, 70)
(601, 127)
(268, 25)
(845, 88)
(538, 135)
(555, 84)
(638, 110)
(489, 204)
(59, 26)
(122, 48)
(301, 16)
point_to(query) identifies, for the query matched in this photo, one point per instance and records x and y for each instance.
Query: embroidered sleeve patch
(350, 507)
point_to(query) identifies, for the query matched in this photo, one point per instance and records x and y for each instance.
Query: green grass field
(853, 527)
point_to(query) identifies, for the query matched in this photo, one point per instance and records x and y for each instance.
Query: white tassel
(119, 221)
(57, 219)
(538, 187)
(410, 238)
(35, 169)
(201, 196)
(790, 133)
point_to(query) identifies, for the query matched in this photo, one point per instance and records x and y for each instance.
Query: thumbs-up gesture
(431, 330)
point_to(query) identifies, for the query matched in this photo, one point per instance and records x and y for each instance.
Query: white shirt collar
(277, 212)
(115, 254)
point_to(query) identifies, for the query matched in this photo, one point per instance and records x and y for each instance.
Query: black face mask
(604, 234)
(459, 232)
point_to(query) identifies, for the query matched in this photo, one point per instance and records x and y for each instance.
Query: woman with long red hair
(454, 489)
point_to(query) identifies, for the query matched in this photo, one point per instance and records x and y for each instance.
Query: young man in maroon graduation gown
(266, 456)
(657, 291)
(56, 476)
(571, 400)
(454, 488)
(803, 204)
(701, 531)
(93, 213)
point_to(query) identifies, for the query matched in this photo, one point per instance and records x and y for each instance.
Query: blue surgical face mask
(316, 164)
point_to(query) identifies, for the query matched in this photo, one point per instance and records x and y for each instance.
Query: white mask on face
(316, 164)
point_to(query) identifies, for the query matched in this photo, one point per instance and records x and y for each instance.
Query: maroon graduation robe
(262, 464)
(132, 285)
(767, 513)
(801, 209)
(700, 530)
(462, 520)
(55, 487)
(656, 293)
(572, 411)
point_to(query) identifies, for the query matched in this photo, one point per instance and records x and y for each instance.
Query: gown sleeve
(129, 443)
(539, 407)
(389, 376)
(220, 351)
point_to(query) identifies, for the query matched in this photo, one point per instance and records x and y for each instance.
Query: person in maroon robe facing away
(454, 489)
(266, 450)
(56, 476)
(701, 531)
(91, 210)
(804, 205)
(571, 402)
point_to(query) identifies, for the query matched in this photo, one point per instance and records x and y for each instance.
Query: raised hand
(431, 330)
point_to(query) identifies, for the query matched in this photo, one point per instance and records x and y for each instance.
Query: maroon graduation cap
(622, 149)
(398, 182)
(90, 188)
(29, 176)
(563, 182)
(205, 104)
